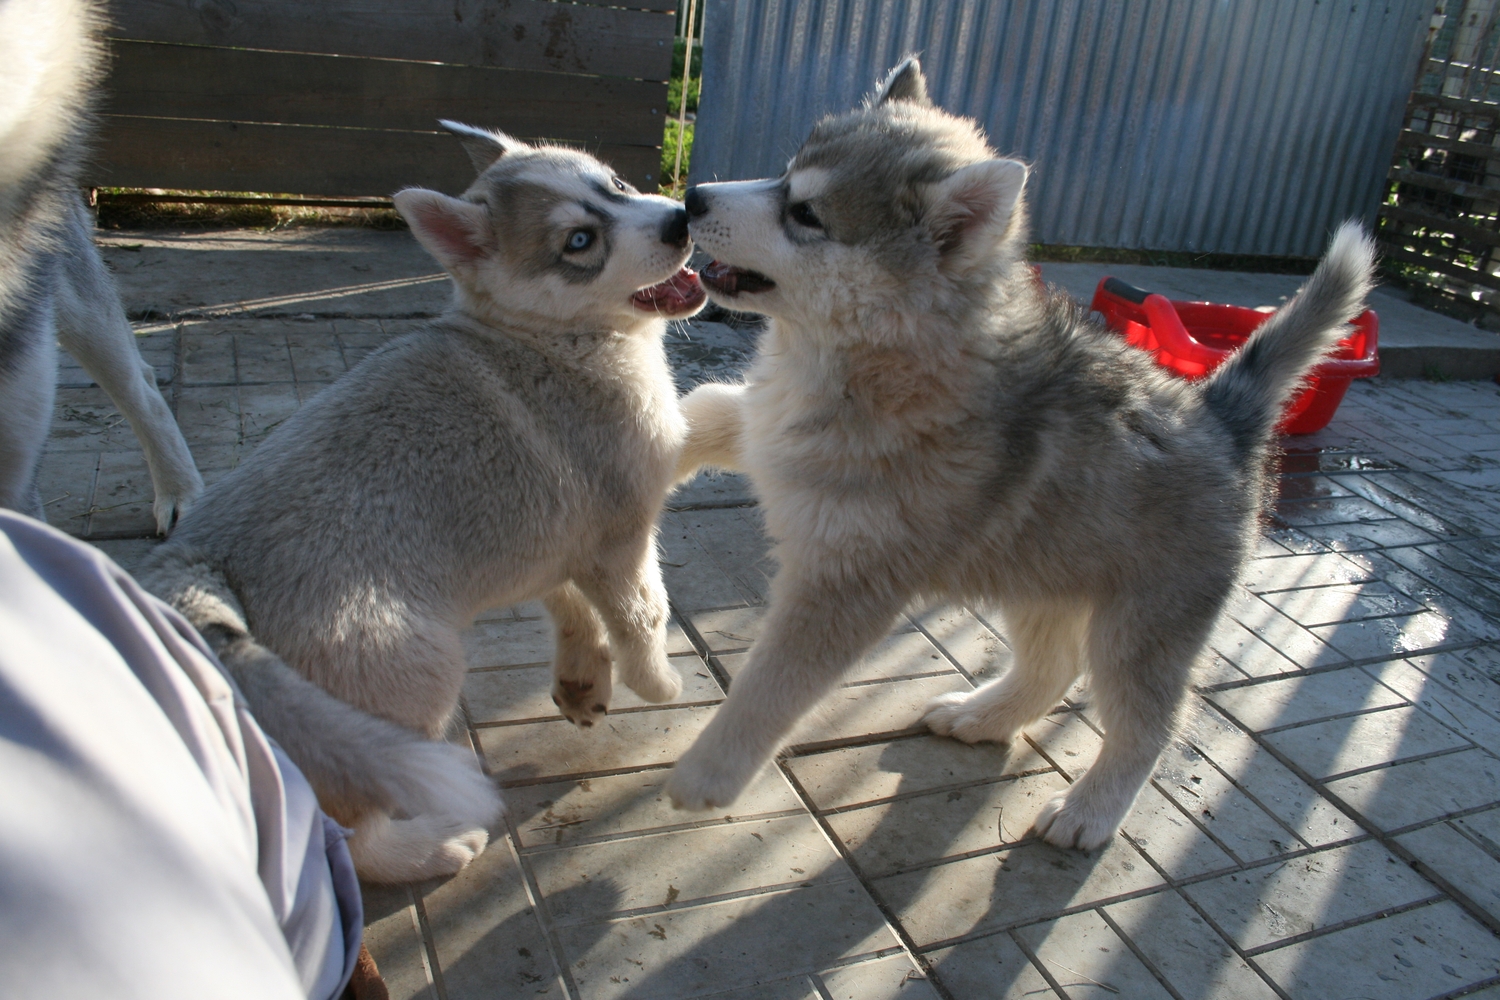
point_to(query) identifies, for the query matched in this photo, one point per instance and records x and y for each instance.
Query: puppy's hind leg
(714, 420)
(1140, 661)
(1048, 641)
(626, 587)
(581, 682)
(91, 325)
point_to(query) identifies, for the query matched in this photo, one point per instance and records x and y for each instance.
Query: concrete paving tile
(634, 739)
(1088, 959)
(1341, 745)
(1169, 838)
(1465, 509)
(207, 357)
(264, 408)
(1313, 819)
(260, 353)
(895, 835)
(1365, 535)
(1332, 510)
(1289, 572)
(903, 654)
(1422, 790)
(1293, 488)
(1186, 950)
(720, 946)
(488, 938)
(731, 629)
(1483, 828)
(666, 871)
(1374, 487)
(989, 968)
(1469, 605)
(693, 578)
(508, 643)
(713, 488)
(123, 496)
(1342, 603)
(86, 420)
(1300, 645)
(1247, 651)
(1276, 901)
(65, 480)
(1067, 740)
(392, 935)
(735, 540)
(208, 416)
(316, 356)
(1212, 669)
(882, 979)
(1283, 541)
(1392, 636)
(871, 709)
(1421, 953)
(517, 694)
(1220, 807)
(1439, 701)
(1010, 887)
(968, 640)
(852, 775)
(1303, 699)
(569, 812)
(1466, 865)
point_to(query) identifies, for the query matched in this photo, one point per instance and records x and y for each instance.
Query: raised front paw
(960, 715)
(1072, 820)
(707, 781)
(582, 702)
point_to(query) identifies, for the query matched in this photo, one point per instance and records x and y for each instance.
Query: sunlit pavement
(1328, 825)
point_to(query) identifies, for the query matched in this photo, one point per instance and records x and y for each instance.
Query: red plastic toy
(1193, 338)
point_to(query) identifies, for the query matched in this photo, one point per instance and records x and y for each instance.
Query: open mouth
(732, 281)
(677, 296)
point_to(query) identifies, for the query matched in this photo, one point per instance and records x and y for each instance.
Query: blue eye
(580, 239)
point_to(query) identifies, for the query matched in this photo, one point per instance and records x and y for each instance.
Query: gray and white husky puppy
(53, 285)
(520, 446)
(925, 421)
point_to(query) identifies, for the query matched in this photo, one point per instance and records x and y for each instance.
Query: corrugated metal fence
(1230, 126)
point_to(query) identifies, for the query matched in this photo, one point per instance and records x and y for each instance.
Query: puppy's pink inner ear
(980, 196)
(455, 231)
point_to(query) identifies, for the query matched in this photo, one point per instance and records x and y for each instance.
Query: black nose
(695, 202)
(674, 230)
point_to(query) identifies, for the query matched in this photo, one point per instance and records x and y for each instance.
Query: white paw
(706, 781)
(170, 508)
(453, 855)
(1067, 823)
(655, 682)
(955, 714)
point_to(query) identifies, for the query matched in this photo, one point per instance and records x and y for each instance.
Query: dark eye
(580, 239)
(619, 184)
(802, 214)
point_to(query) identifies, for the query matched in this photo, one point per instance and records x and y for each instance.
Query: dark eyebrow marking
(595, 210)
(607, 192)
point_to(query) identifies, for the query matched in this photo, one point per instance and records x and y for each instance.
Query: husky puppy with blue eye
(520, 446)
(925, 421)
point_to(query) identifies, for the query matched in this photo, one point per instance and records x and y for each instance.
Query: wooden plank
(296, 159)
(189, 81)
(1433, 264)
(1460, 228)
(1406, 175)
(1412, 139)
(516, 34)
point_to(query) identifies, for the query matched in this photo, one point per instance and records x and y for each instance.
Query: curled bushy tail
(355, 762)
(1249, 391)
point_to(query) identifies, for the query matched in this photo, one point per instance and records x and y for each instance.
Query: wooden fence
(342, 97)
(1440, 226)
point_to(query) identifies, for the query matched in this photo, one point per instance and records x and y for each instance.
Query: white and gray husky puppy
(53, 284)
(924, 421)
(520, 446)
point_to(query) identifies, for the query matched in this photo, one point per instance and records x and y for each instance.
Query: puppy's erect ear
(904, 83)
(968, 212)
(456, 232)
(483, 146)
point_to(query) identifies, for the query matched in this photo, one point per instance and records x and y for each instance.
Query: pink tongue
(680, 287)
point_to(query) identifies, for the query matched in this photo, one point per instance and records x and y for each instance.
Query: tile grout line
(429, 946)
(1343, 925)
(893, 923)
(1036, 962)
(1140, 955)
(416, 926)
(1386, 840)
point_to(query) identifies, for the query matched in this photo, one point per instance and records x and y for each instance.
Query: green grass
(671, 184)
